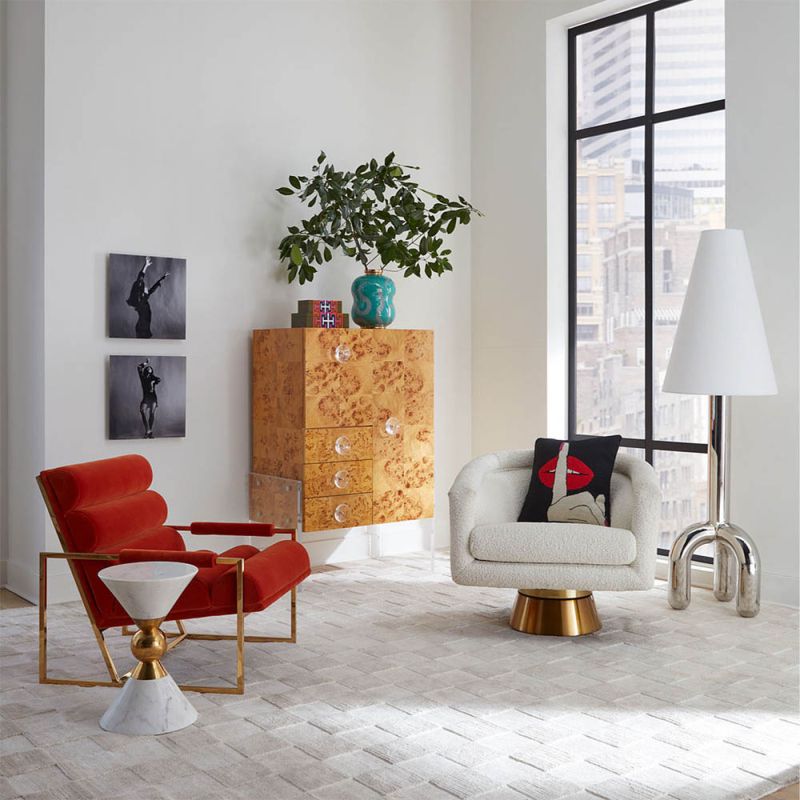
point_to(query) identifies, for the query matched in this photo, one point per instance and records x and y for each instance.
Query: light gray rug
(403, 684)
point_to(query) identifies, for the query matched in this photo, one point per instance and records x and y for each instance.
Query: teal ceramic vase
(373, 300)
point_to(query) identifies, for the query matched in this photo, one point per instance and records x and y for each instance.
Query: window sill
(702, 574)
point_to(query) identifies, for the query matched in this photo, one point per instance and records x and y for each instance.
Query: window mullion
(572, 280)
(649, 77)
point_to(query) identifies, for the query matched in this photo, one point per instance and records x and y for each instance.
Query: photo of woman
(149, 404)
(142, 306)
(146, 397)
(139, 300)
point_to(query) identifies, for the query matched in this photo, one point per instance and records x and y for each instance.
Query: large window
(647, 175)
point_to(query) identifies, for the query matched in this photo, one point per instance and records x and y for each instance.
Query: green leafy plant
(376, 214)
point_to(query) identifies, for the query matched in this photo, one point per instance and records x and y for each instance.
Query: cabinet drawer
(332, 478)
(328, 513)
(337, 345)
(338, 444)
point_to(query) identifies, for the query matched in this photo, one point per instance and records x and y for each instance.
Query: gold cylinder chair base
(555, 612)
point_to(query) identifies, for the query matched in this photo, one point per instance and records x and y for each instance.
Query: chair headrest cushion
(95, 482)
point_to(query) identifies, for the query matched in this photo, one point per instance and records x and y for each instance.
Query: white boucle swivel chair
(555, 565)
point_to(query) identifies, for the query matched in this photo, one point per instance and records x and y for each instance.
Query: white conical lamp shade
(720, 347)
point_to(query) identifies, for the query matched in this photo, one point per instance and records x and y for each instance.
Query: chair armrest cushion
(232, 529)
(199, 558)
(463, 497)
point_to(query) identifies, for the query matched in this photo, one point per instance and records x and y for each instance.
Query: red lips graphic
(578, 474)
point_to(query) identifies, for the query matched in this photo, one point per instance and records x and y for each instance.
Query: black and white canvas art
(146, 397)
(146, 297)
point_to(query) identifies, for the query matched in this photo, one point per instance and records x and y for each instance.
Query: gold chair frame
(176, 638)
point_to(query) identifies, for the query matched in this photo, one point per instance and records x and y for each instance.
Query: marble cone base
(149, 707)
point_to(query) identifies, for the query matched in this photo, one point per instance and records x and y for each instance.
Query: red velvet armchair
(105, 511)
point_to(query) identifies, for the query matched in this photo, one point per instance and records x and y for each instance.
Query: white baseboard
(24, 581)
(334, 547)
(372, 541)
(781, 589)
(402, 537)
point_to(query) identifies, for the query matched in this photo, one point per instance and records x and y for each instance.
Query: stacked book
(320, 314)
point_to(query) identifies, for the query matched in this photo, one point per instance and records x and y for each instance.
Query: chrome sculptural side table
(150, 702)
(734, 550)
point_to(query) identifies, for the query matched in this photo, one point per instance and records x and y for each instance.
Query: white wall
(763, 131)
(23, 317)
(168, 127)
(3, 304)
(169, 124)
(515, 251)
(509, 246)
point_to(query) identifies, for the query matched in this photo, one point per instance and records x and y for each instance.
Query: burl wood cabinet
(349, 413)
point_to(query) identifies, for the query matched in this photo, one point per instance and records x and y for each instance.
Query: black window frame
(646, 122)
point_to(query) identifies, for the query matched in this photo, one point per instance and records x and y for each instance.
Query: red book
(332, 319)
(305, 307)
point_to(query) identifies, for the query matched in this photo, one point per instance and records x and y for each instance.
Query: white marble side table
(150, 702)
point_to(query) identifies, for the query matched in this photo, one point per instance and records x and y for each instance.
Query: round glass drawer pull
(341, 512)
(341, 480)
(342, 353)
(392, 426)
(342, 446)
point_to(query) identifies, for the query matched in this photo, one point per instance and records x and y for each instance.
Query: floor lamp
(720, 350)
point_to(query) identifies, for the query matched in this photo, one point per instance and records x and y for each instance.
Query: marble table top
(148, 589)
(145, 571)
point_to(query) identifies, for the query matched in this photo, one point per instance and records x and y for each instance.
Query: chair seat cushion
(552, 543)
(268, 574)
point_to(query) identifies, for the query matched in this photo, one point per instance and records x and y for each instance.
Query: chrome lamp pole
(734, 550)
(720, 349)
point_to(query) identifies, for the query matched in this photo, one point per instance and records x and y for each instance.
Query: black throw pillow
(571, 481)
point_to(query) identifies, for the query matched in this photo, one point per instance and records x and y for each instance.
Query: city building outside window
(606, 212)
(586, 333)
(647, 162)
(606, 185)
